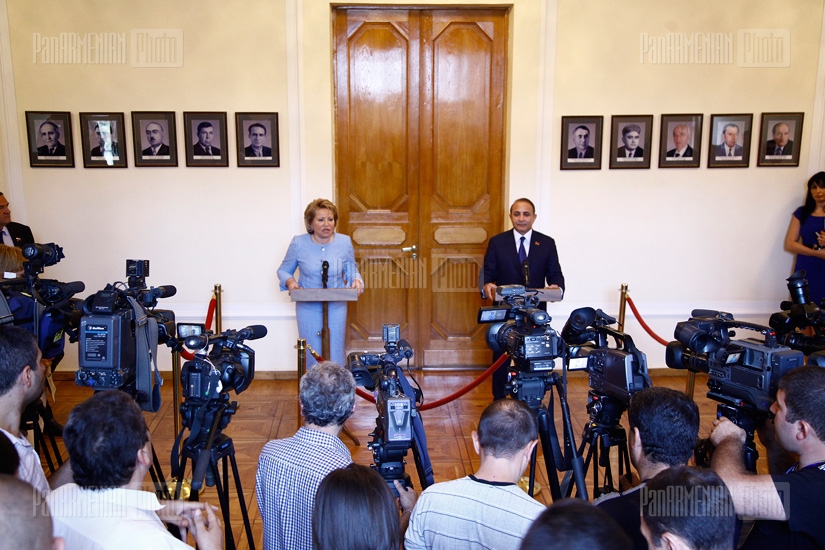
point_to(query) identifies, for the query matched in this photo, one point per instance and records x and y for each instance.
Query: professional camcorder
(398, 426)
(522, 330)
(119, 334)
(801, 324)
(43, 306)
(743, 374)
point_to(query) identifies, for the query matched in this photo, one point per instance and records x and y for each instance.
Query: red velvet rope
(644, 325)
(210, 313)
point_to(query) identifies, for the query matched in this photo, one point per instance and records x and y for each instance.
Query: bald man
(155, 135)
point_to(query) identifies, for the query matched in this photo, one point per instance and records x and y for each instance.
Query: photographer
(488, 509)
(786, 506)
(664, 424)
(110, 451)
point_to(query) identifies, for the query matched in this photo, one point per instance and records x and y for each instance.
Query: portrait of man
(106, 133)
(728, 147)
(681, 143)
(156, 137)
(257, 133)
(49, 133)
(781, 145)
(580, 137)
(631, 139)
(206, 134)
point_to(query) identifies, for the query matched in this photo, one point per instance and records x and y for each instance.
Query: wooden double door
(419, 149)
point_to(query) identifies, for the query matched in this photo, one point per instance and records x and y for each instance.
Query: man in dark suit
(781, 144)
(154, 135)
(257, 134)
(681, 140)
(104, 131)
(13, 234)
(504, 264)
(581, 138)
(631, 134)
(729, 149)
(50, 134)
(204, 148)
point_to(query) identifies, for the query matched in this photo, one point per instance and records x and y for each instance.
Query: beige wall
(681, 238)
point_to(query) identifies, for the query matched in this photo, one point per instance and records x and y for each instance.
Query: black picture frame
(622, 130)
(61, 154)
(687, 156)
(244, 123)
(592, 150)
(767, 137)
(721, 125)
(107, 148)
(192, 120)
(156, 123)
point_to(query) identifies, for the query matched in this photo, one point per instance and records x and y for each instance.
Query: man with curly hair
(290, 469)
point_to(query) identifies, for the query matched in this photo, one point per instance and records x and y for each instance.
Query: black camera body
(119, 334)
(743, 373)
(519, 328)
(617, 372)
(801, 324)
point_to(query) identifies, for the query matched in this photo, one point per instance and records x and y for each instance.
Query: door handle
(413, 249)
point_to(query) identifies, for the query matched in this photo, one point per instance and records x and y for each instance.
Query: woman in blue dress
(806, 237)
(307, 253)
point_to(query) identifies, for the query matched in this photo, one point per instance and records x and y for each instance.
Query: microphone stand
(525, 269)
(324, 332)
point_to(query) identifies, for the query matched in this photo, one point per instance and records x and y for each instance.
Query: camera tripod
(530, 388)
(602, 432)
(205, 451)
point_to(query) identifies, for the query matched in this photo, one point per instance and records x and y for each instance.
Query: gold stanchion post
(622, 307)
(301, 346)
(218, 309)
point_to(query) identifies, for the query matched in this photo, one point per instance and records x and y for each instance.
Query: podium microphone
(324, 273)
(525, 269)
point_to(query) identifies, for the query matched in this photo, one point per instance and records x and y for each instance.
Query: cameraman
(664, 424)
(110, 452)
(786, 506)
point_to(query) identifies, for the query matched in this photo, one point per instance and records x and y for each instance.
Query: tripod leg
(244, 513)
(223, 499)
(549, 461)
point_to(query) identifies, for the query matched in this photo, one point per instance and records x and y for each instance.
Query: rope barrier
(644, 325)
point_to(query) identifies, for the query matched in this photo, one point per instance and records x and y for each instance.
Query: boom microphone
(324, 273)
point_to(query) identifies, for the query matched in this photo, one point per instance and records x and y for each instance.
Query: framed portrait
(257, 139)
(780, 137)
(680, 141)
(205, 138)
(154, 138)
(581, 142)
(103, 137)
(729, 143)
(50, 139)
(630, 137)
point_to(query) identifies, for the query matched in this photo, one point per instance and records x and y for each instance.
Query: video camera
(518, 327)
(743, 374)
(44, 307)
(398, 426)
(119, 334)
(800, 325)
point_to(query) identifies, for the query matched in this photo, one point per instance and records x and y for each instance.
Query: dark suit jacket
(637, 153)
(721, 152)
(787, 150)
(97, 152)
(249, 153)
(688, 152)
(163, 151)
(59, 151)
(201, 152)
(20, 234)
(502, 266)
(574, 153)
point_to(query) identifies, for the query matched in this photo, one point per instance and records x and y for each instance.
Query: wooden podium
(325, 296)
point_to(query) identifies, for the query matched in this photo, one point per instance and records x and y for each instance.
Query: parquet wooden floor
(268, 410)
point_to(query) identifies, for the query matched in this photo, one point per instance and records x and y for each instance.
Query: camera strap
(147, 381)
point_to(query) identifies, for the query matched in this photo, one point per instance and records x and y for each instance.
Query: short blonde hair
(11, 259)
(313, 208)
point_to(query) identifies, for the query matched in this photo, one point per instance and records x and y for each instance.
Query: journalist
(786, 506)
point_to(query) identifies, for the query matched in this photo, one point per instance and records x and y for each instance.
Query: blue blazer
(502, 266)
